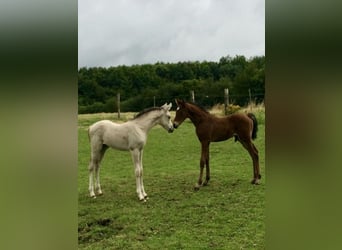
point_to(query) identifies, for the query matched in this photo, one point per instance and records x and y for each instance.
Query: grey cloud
(135, 32)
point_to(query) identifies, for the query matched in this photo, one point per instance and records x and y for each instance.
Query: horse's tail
(255, 125)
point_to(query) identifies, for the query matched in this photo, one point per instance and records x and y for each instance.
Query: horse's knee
(138, 172)
(91, 166)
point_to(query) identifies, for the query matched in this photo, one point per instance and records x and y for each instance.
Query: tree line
(140, 85)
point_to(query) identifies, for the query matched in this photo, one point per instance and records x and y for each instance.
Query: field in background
(227, 214)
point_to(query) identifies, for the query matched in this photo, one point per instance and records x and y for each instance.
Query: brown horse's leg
(257, 168)
(202, 163)
(207, 168)
(253, 152)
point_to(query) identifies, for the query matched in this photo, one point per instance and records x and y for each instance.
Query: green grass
(229, 213)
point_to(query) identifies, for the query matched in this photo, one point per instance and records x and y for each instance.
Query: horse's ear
(164, 106)
(179, 102)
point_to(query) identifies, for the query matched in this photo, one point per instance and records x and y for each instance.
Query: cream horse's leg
(97, 170)
(97, 153)
(136, 155)
(142, 174)
(91, 185)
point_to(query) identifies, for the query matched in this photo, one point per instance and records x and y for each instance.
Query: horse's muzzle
(175, 125)
(170, 130)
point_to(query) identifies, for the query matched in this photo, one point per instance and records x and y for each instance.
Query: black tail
(255, 125)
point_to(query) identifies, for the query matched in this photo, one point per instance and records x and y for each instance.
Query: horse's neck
(147, 122)
(197, 116)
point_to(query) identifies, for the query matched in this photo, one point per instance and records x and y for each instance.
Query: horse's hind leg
(91, 178)
(97, 170)
(97, 152)
(253, 152)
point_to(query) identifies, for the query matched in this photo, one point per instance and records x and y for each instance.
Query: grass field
(229, 213)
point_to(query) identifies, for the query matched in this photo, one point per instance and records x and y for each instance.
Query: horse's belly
(223, 138)
(117, 141)
(216, 137)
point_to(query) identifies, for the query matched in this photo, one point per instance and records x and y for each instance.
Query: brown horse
(210, 128)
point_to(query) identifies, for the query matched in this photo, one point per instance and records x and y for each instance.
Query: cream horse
(130, 136)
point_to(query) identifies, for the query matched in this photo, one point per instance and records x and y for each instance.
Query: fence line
(120, 104)
(226, 96)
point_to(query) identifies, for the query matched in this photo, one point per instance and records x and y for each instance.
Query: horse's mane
(143, 112)
(200, 107)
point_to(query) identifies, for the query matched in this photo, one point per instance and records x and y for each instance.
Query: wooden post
(250, 96)
(250, 99)
(118, 103)
(192, 94)
(226, 101)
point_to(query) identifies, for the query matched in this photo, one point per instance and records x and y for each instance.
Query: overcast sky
(126, 32)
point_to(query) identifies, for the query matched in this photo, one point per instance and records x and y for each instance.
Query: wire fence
(122, 104)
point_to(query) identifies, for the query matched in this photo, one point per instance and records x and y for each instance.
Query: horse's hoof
(255, 181)
(142, 199)
(196, 188)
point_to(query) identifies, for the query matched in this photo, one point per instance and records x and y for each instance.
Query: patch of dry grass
(218, 109)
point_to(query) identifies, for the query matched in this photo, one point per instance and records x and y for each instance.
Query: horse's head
(181, 113)
(165, 119)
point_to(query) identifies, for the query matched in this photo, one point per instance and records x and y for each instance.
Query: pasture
(229, 213)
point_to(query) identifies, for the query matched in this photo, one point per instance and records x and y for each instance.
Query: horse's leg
(136, 156)
(142, 174)
(97, 170)
(94, 164)
(91, 168)
(207, 168)
(205, 147)
(257, 168)
(253, 152)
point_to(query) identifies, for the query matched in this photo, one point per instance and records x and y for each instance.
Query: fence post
(250, 99)
(192, 94)
(118, 104)
(250, 96)
(226, 101)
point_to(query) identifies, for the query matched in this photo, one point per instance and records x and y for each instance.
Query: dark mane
(201, 108)
(143, 112)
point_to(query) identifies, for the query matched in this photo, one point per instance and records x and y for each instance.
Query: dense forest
(140, 86)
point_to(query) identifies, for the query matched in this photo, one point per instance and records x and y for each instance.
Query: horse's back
(100, 127)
